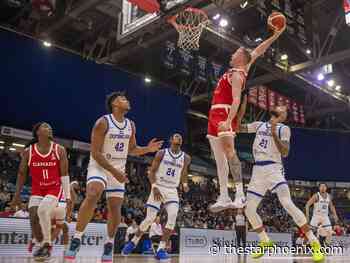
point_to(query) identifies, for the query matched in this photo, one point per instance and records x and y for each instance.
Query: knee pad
(298, 216)
(150, 217)
(172, 210)
(251, 211)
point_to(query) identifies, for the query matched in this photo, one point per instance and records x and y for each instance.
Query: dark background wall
(45, 84)
(319, 156)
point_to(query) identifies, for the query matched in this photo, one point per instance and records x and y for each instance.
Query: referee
(241, 228)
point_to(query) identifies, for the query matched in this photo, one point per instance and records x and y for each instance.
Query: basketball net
(189, 24)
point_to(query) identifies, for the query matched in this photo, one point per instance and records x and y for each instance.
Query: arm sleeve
(252, 127)
(284, 133)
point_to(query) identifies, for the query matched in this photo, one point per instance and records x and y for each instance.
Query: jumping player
(112, 139)
(271, 143)
(48, 167)
(223, 122)
(322, 202)
(169, 167)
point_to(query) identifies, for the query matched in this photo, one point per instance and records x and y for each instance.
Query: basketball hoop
(189, 24)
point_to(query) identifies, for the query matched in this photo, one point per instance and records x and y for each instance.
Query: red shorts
(216, 116)
(55, 191)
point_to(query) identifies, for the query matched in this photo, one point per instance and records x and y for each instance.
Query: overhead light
(243, 4)
(338, 88)
(2, 142)
(2, 147)
(284, 57)
(12, 149)
(223, 22)
(330, 83)
(148, 80)
(216, 17)
(18, 145)
(308, 51)
(320, 76)
(190, 175)
(258, 39)
(47, 44)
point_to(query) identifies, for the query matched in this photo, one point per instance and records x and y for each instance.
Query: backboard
(132, 19)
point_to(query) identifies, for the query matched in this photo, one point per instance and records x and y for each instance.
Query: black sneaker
(43, 252)
(73, 249)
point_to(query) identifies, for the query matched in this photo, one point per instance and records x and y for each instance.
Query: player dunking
(48, 167)
(169, 167)
(322, 202)
(271, 143)
(112, 139)
(223, 122)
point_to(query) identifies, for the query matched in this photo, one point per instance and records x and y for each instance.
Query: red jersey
(223, 91)
(44, 169)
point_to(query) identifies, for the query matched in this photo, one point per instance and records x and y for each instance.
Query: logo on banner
(169, 58)
(202, 68)
(186, 62)
(196, 241)
(216, 72)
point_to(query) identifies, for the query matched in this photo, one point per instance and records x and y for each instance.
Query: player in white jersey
(112, 139)
(322, 202)
(169, 168)
(270, 145)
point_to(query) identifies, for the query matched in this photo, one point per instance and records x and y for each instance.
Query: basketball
(276, 21)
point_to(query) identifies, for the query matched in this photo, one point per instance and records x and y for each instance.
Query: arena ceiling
(94, 30)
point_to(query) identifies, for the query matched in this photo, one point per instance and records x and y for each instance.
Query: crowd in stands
(193, 208)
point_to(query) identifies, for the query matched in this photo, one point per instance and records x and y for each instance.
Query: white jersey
(321, 207)
(170, 169)
(264, 147)
(116, 143)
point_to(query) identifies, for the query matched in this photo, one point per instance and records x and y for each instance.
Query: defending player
(48, 167)
(169, 167)
(272, 142)
(322, 201)
(113, 138)
(223, 122)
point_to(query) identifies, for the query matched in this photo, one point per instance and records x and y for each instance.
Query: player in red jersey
(48, 167)
(223, 122)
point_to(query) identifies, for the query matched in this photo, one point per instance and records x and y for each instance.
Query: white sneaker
(220, 205)
(239, 202)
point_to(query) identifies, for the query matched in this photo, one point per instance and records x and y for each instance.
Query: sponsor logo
(196, 241)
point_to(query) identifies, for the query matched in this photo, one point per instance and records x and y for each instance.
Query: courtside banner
(15, 235)
(205, 241)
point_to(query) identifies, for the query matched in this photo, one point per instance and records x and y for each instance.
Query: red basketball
(276, 21)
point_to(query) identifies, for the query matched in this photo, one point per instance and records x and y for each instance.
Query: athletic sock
(162, 245)
(78, 234)
(239, 190)
(310, 236)
(263, 236)
(109, 240)
(135, 240)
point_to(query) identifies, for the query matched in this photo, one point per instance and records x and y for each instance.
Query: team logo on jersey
(53, 157)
